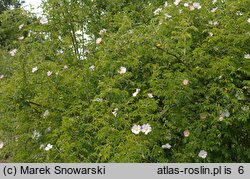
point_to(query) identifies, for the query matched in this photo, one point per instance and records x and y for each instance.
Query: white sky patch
(32, 5)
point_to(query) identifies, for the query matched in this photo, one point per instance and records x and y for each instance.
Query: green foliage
(187, 76)
(8, 4)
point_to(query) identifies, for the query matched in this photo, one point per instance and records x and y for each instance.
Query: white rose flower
(44, 20)
(211, 34)
(167, 16)
(157, 11)
(202, 154)
(48, 147)
(136, 92)
(46, 113)
(122, 70)
(65, 67)
(115, 112)
(136, 129)
(21, 38)
(214, 23)
(98, 100)
(1, 144)
(238, 13)
(49, 73)
(13, 52)
(150, 95)
(146, 128)
(34, 69)
(166, 146)
(20, 26)
(103, 31)
(214, 9)
(247, 56)
(177, 2)
(166, 4)
(91, 68)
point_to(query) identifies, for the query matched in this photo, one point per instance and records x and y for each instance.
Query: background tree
(7, 4)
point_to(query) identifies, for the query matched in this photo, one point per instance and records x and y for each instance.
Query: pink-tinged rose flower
(185, 82)
(196, 5)
(221, 118)
(44, 21)
(186, 133)
(98, 40)
(191, 8)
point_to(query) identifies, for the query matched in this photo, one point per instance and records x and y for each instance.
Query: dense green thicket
(82, 80)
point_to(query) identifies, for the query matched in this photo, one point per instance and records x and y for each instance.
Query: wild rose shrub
(153, 82)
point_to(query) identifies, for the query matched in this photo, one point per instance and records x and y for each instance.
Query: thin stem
(43, 106)
(169, 53)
